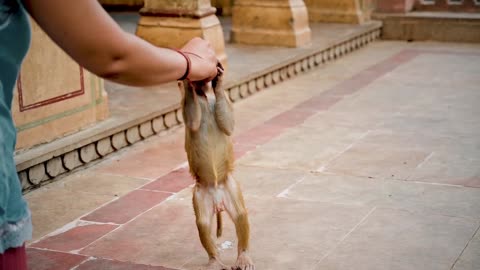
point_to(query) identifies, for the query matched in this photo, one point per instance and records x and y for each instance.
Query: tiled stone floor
(371, 162)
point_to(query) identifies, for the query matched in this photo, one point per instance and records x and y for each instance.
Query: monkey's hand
(217, 82)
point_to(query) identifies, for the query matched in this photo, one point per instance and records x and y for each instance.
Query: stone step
(140, 113)
(436, 26)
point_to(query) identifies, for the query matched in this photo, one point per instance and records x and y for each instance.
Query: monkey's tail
(219, 225)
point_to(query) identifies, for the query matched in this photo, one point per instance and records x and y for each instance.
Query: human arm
(90, 36)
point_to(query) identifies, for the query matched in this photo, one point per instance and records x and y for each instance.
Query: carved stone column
(339, 11)
(270, 22)
(172, 23)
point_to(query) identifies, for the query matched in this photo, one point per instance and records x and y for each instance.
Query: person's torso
(14, 44)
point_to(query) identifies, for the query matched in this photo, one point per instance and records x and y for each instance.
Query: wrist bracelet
(187, 71)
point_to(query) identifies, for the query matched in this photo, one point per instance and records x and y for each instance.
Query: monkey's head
(199, 88)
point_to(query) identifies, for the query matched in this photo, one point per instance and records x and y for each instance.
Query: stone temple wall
(54, 95)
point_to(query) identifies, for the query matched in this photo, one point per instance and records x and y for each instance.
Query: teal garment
(15, 220)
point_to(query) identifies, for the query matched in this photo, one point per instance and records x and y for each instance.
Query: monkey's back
(209, 149)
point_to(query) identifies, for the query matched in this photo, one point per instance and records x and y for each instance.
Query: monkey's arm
(192, 112)
(224, 112)
(223, 107)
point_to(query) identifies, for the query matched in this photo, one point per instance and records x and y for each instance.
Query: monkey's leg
(223, 108)
(192, 112)
(203, 207)
(235, 207)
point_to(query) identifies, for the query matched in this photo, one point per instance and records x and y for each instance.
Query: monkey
(209, 123)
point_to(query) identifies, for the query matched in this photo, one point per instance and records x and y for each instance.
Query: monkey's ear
(185, 85)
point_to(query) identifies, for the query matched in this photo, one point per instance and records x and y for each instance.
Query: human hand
(203, 62)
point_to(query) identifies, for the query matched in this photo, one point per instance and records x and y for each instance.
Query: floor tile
(149, 162)
(377, 160)
(470, 258)
(75, 238)
(291, 118)
(164, 236)
(339, 189)
(172, 182)
(52, 207)
(260, 135)
(397, 239)
(102, 184)
(290, 149)
(97, 264)
(127, 207)
(265, 182)
(38, 259)
(449, 169)
(446, 200)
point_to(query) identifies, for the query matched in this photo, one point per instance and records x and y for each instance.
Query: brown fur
(209, 123)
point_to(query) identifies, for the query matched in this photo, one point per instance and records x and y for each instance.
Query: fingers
(217, 82)
(220, 66)
(203, 60)
(220, 69)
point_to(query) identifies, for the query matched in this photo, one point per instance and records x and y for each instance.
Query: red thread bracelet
(189, 63)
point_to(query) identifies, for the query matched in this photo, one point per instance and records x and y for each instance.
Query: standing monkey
(208, 125)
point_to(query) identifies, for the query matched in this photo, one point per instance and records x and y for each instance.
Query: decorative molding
(49, 101)
(95, 83)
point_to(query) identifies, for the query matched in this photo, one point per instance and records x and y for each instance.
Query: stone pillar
(394, 6)
(270, 22)
(54, 96)
(172, 23)
(339, 11)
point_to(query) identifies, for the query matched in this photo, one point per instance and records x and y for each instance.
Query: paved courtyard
(370, 162)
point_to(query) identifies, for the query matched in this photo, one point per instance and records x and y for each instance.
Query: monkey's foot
(215, 264)
(243, 262)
